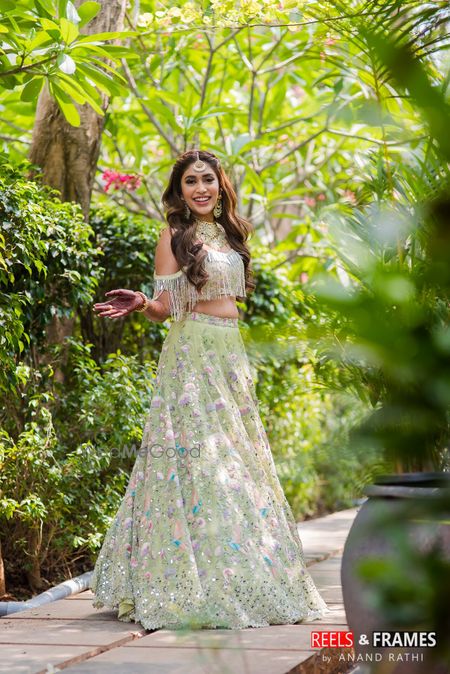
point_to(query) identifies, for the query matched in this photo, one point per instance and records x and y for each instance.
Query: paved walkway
(71, 635)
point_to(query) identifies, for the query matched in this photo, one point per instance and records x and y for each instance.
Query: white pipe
(64, 589)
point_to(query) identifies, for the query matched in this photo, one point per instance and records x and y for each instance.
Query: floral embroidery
(205, 535)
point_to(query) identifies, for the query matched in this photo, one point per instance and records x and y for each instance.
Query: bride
(204, 536)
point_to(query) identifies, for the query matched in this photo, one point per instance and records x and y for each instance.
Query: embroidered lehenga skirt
(204, 536)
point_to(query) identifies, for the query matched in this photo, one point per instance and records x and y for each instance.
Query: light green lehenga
(204, 535)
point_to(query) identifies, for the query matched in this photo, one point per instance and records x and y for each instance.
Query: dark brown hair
(190, 255)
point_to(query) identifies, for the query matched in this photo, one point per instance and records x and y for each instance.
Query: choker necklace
(211, 233)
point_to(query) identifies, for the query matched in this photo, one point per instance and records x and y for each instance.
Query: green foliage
(62, 474)
(332, 158)
(42, 45)
(128, 244)
(48, 266)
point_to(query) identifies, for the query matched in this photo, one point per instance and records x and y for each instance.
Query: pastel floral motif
(145, 549)
(171, 474)
(233, 375)
(227, 573)
(177, 530)
(218, 551)
(233, 357)
(170, 435)
(210, 407)
(179, 502)
(128, 523)
(245, 410)
(185, 348)
(210, 353)
(208, 369)
(200, 522)
(234, 545)
(185, 399)
(156, 401)
(128, 548)
(148, 574)
(268, 560)
(139, 476)
(159, 475)
(150, 526)
(190, 386)
(134, 562)
(195, 545)
(196, 508)
(170, 572)
(264, 511)
(220, 403)
(176, 542)
(202, 572)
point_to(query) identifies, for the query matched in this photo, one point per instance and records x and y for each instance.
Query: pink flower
(120, 180)
(349, 196)
(310, 201)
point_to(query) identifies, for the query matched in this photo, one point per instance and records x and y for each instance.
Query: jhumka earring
(218, 208)
(187, 210)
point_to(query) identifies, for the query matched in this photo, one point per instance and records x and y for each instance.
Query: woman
(204, 536)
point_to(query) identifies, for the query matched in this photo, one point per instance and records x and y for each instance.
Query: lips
(202, 200)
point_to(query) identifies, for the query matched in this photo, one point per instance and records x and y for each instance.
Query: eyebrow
(204, 175)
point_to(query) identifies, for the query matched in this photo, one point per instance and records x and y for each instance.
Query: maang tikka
(199, 165)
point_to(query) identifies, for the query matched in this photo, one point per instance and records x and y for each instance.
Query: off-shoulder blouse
(226, 277)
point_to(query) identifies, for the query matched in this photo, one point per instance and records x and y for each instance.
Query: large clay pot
(419, 505)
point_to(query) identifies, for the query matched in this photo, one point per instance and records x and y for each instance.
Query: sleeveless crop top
(226, 277)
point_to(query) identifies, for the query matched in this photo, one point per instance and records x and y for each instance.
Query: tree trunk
(2, 574)
(66, 154)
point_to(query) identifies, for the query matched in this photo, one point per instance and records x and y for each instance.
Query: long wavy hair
(189, 255)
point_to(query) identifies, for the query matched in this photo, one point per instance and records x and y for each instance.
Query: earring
(218, 208)
(187, 210)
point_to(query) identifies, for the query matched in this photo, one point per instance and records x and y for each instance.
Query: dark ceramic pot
(402, 512)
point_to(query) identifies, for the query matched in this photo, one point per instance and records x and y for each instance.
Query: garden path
(71, 635)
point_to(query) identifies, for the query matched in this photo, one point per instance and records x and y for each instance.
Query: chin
(202, 214)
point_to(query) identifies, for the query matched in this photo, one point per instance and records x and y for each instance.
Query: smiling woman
(204, 539)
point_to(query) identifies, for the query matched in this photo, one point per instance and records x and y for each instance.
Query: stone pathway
(71, 635)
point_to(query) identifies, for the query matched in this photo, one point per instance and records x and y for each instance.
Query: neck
(206, 219)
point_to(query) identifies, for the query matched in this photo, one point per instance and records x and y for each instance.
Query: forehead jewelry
(199, 164)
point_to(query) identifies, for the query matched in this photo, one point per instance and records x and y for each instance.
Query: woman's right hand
(122, 303)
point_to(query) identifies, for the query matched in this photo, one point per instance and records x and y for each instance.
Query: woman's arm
(166, 266)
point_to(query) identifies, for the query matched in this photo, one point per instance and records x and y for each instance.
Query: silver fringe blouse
(226, 277)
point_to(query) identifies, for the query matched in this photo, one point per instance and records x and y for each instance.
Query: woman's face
(200, 190)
